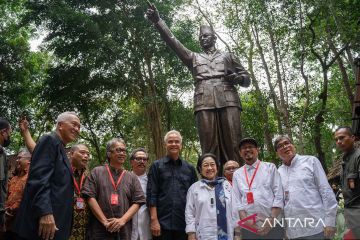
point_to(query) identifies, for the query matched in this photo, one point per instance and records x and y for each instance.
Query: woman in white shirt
(208, 212)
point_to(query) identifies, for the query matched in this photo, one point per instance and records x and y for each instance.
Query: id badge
(250, 197)
(287, 196)
(80, 204)
(114, 200)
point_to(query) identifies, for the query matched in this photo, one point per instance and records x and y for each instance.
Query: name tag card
(114, 199)
(80, 204)
(250, 198)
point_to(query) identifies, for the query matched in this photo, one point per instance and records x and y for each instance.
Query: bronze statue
(216, 101)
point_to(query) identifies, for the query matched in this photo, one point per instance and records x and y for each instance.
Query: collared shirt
(167, 187)
(99, 186)
(200, 213)
(16, 188)
(266, 189)
(141, 219)
(308, 197)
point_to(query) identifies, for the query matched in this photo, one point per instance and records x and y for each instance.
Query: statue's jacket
(212, 90)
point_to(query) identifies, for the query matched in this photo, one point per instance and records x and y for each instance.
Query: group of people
(58, 197)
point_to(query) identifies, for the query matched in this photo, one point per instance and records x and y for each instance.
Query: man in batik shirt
(79, 156)
(114, 195)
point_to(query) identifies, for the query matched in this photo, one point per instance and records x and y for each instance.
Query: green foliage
(104, 60)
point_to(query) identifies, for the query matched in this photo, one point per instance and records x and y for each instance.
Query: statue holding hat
(217, 104)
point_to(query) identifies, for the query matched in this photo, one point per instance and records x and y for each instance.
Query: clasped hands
(114, 224)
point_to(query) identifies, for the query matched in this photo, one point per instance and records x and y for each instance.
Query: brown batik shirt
(81, 216)
(99, 186)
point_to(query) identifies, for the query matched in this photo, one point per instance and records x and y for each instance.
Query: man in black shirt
(168, 182)
(350, 179)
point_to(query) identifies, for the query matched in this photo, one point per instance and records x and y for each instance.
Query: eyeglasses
(141, 159)
(119, 150)
(282, 146)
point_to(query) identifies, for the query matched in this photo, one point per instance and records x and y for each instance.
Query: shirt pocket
(200, 68)
(231, 94)
(199, 96)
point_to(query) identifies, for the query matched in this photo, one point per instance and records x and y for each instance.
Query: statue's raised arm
(152, 13)
(182, 52)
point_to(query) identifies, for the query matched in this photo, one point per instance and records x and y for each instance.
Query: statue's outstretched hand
(152, 13)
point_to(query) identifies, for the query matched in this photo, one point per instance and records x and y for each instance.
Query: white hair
(172, 132)
(62, 117)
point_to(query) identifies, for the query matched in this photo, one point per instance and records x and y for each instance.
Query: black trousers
(171, 235)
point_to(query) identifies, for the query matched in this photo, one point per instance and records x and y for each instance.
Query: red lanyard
(252, 179)
(112, 179)
(77, 187)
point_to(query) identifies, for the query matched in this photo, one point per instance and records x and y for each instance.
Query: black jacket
(49, 190)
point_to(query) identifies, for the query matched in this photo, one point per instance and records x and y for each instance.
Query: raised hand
(152, 13)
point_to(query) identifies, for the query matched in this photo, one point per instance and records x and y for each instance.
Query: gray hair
(133, 153)
(172, 132)
(111, 143)
(280, 138)
(228, 162)
(62, 117)
(25, 151)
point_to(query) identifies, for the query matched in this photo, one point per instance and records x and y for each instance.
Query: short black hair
(347, 128)
(4, 123)
(201, 159)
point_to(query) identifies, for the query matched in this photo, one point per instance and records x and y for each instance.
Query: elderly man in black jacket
(46, 208)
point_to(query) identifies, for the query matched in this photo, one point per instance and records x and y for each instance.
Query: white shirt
(200, 211)
(141, 220)
(266, 189)
(308, 195)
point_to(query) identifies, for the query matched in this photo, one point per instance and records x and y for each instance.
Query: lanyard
(77, 187)
(253, 176)
(112, 179)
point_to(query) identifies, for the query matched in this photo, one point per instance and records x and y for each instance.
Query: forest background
(104, 60)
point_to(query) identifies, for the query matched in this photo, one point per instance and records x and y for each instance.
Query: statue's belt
(213, 81)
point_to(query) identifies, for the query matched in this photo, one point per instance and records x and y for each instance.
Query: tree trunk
(319, 119)
(345, 77)
(261, 100)
(283, 104)
(306, 81)
(152, 112)
(268, 77)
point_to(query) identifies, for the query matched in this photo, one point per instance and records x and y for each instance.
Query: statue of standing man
(216, 100)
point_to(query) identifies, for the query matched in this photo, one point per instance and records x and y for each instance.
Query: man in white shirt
(141, 220)
(257, 190)
(310, 204)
